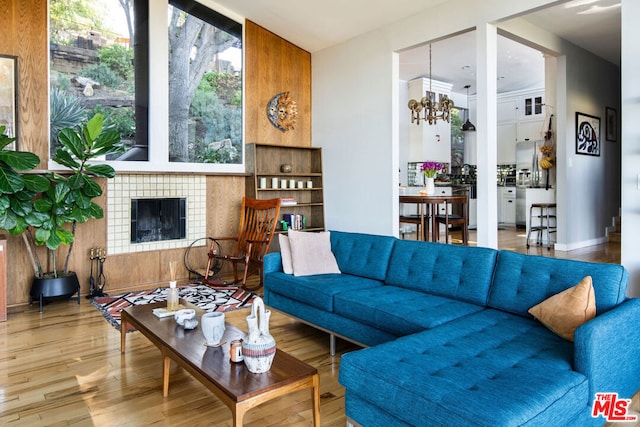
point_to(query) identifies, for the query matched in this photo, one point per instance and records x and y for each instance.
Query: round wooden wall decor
(282, 111)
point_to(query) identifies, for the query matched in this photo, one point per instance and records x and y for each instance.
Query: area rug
(224, 298)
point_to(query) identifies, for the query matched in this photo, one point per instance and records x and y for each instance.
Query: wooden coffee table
(231, 382)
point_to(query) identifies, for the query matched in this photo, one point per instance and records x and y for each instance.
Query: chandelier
(433, 110)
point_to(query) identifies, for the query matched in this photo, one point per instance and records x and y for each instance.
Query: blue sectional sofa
(449, 338)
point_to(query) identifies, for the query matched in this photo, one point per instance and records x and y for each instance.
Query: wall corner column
(486, 134)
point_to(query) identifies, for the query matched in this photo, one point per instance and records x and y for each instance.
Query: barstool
(545, 218)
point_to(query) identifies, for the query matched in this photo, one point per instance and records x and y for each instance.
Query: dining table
(428, 209)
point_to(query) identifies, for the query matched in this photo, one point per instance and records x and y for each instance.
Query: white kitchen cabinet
(473, 214)
(531, 105)
(509, 212)
(507, 206)
(507, 138)
(507, 110)
(530, 130)
(520, 116)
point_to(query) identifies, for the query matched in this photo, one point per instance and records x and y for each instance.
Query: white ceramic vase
(259, 347)
(429, 186)
(213, 328)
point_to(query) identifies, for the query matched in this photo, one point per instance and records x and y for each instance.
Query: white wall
(353, 96)
(630, 141)
(591, 183)
(355, 104)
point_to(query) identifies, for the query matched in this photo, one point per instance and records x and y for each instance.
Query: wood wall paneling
(274, 65)
(25, 36)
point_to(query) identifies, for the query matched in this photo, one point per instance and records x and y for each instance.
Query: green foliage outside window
(121, 120)
(102, 74)
(216, 108)
(119, 59)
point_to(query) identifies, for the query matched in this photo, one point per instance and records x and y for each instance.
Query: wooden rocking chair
(258, 221)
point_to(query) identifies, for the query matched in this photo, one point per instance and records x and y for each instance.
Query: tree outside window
(205, 89)
(99, 63)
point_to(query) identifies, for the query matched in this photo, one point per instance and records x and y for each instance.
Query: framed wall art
(9, 96)
(611, 124)
(588, 138)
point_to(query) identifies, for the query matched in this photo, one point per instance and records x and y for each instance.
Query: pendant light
(468, 126)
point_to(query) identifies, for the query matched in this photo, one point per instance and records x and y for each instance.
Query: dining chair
(454, 213)
(418, 219)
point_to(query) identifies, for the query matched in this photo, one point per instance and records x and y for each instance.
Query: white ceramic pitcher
(259, 347)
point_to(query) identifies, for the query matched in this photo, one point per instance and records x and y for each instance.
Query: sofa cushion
(362, 255)
(285, 253)
(489, 368)
(399, 311)
(522, 281)
(317, 290)
(564, 312)
(311, 253)
(351, 330)
(459, 272)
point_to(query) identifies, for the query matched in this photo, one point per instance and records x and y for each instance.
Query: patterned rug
(207, 298)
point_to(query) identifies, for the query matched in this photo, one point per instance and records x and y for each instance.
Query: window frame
(158, 100)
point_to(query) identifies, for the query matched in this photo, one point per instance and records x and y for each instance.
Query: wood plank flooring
(64, 368)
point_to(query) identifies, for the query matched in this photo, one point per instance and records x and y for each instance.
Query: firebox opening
(154, 220)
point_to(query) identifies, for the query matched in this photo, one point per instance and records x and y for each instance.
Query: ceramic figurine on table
(185, 314)
(259, 347)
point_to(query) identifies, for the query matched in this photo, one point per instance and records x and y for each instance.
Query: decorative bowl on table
(185, 314)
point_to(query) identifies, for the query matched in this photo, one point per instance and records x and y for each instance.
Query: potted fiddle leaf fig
(48, 214)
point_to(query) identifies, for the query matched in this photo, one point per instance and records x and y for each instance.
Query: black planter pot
(63, 287)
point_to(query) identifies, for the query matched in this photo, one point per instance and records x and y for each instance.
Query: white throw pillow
(311, 253)
(285, 253)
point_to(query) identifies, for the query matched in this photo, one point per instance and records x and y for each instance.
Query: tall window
(94, 67)
(100, 52)
(205, 85)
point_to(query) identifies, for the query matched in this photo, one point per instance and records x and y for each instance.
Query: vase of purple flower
(430, 170)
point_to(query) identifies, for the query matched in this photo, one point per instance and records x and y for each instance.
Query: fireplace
(187, 220)
(156, 220)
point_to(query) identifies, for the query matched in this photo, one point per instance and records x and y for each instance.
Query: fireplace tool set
(97, 279)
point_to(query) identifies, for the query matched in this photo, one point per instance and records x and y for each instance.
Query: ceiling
(591, 24)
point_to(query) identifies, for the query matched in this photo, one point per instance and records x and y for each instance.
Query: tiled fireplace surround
(123, 188)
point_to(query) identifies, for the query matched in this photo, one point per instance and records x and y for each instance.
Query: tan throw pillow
(311, 253)
(285, 253)
(565, 311)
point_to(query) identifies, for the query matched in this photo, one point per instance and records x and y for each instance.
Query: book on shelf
(294, 222)
(288, 201)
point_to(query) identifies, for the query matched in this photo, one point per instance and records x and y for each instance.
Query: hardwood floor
(514, 239)
(64, 368)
